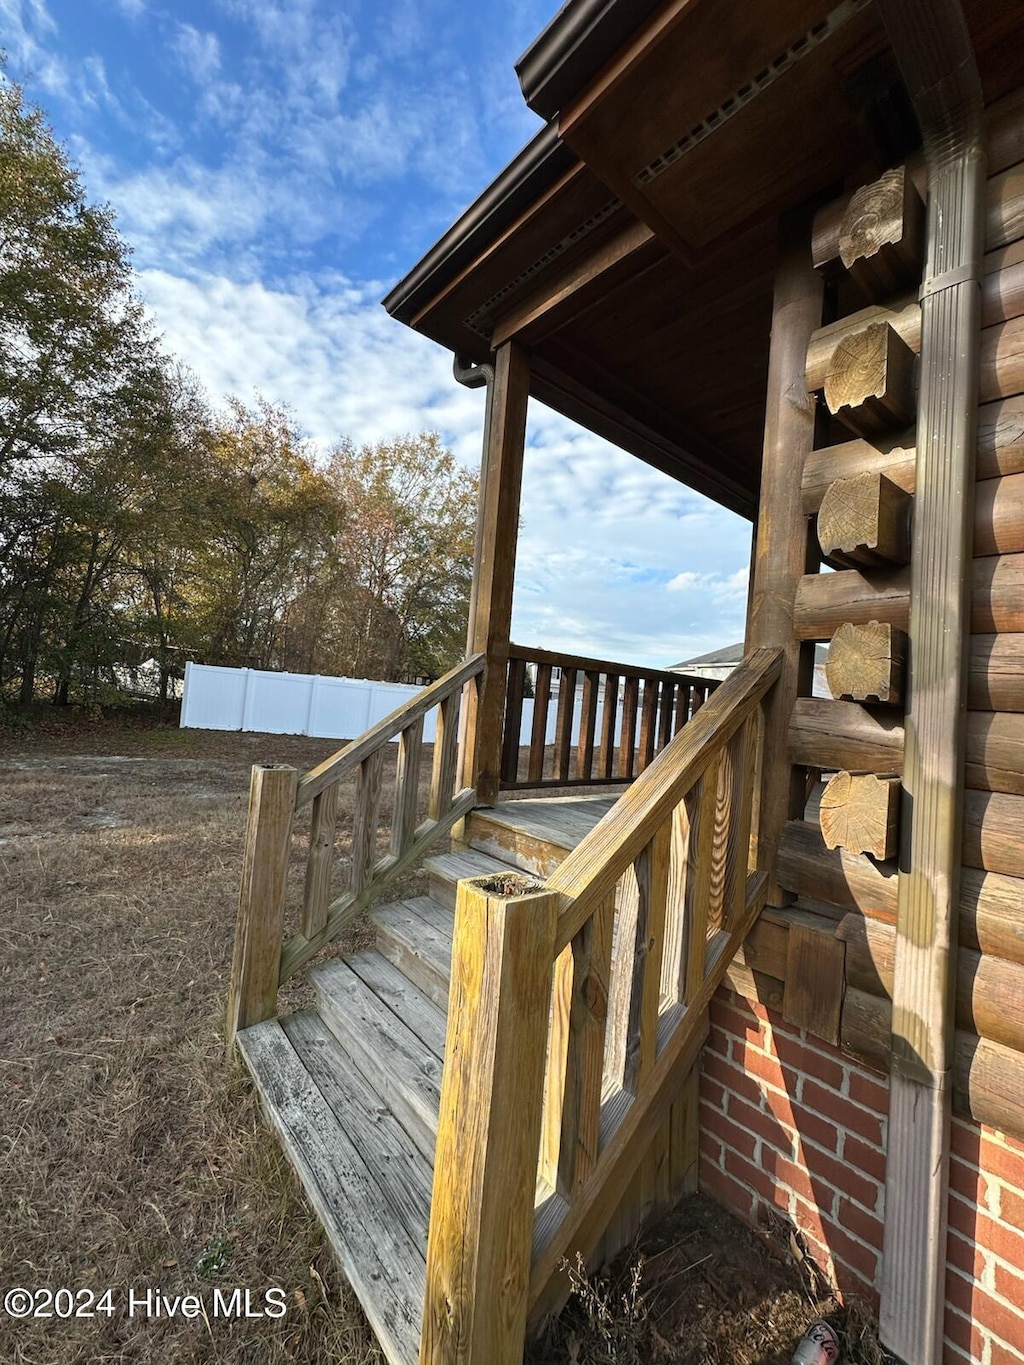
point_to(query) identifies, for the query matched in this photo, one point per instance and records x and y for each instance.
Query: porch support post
(933, 47)
(501, 478)
(782, 549)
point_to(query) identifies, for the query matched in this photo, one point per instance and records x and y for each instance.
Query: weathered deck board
(399, 1167)
(420, 950)
(387, 1052)
(384, 1266)
(417, 1010)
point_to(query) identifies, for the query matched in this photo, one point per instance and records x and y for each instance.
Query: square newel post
(259, 928)
(501, 478)
(488, 1140)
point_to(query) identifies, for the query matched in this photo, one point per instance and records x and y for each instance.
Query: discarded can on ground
(818, 1346)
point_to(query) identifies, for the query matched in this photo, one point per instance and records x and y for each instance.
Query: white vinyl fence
(305, 704)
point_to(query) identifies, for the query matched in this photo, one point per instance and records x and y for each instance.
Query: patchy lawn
(132, 1157)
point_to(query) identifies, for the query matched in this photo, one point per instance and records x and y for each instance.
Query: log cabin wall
(794, 1091)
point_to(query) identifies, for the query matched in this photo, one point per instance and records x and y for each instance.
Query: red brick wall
(789, 1121)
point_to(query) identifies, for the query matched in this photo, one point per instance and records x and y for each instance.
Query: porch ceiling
(638, 267)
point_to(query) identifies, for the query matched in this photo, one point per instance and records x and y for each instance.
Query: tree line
(138, 523)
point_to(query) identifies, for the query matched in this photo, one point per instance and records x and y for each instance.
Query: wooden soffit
(716, 111)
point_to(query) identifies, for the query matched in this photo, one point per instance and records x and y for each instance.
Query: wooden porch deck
(352, 1086)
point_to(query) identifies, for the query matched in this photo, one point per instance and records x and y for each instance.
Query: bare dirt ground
(133, 1157)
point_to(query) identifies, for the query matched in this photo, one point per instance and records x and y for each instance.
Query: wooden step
(535, 834)
(391, 1058)
(448, 869)
(416, 935)
(365, 1180)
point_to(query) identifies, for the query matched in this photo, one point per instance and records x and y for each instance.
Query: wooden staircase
(549, 995)
(352, 1087)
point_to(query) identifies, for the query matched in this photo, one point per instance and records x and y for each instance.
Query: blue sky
(276, 166)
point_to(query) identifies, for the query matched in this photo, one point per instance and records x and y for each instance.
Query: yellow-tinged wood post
(485, 1169)
(490, 623)
(256, 965)
(782, 550)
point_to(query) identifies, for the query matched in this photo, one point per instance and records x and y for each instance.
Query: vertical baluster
(317, 891)
(627, 740)
(700, 802)
(513, 721)
(539, 737)
(648, 723)
(446, 740)
(720, 839)
(675, 920)
(563, 723)
(683, 695)
(742, 757)
(652, 869)
(407, 786)
(700, 695)
(369, 780)
(611, 706)
(591, 957)
(588, 726)
(668, 696)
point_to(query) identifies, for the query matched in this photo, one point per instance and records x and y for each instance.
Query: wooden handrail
(655, 705)
(666, 878)
(584, 664)
(339, 765)
(594, 866)
(262, 961)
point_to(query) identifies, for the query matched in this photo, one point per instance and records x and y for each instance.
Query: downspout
(932, 45)
(476, 377)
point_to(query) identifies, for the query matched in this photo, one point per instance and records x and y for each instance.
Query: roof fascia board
(532, 171)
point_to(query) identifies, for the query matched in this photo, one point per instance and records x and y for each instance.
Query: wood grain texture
(1000, 453)
(378, 1258)
(781, 550)
(987, 1077)
(595, 865)
(317, 890)
(259, 925)
(881, 237)
(407, 786)
(867, 663)
(865, 520)
(995, 672)
(446, 755)
(591, 955)
(989, 920)
(494, 566)
(825, 601)
(869, 384)
(833, 735)
(860, 812)
(365, 819)
(815, 977)
(478, 1254)
(346, 760)
(652, 879)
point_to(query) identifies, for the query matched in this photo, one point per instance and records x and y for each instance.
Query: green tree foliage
(406, 543)
(136, 525)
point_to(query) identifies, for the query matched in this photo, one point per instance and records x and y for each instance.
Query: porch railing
(660, 894)
(262, 960)
(626, 716)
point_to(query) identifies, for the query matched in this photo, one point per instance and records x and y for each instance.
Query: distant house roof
(731, 654)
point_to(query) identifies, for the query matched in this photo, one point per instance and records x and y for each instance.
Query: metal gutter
(932, 45)
(582, 38)
(523, 180)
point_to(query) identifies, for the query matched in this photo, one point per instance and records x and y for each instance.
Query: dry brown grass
(132, 1155)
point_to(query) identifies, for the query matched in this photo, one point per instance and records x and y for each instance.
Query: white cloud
(601, 534)
(131, 9)
(198, 52)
